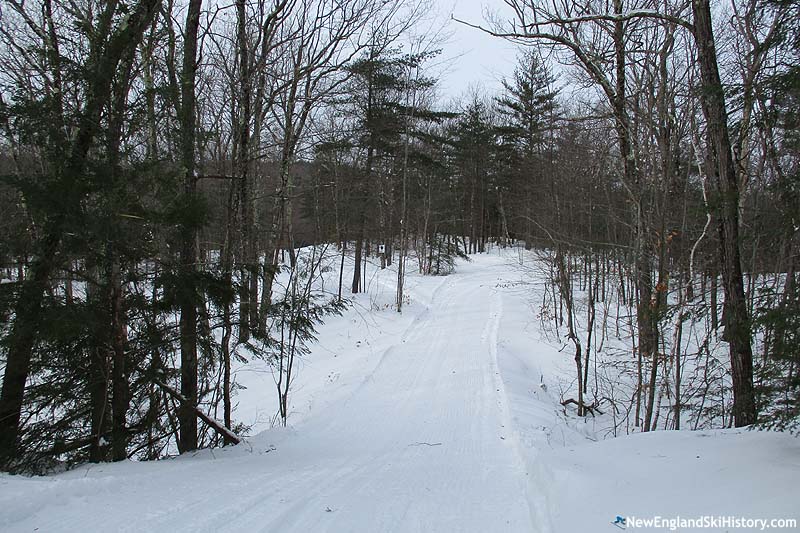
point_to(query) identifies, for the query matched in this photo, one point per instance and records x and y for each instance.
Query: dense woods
(173, 174)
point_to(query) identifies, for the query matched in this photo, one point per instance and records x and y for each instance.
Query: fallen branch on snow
(589, 408)
(229, 436)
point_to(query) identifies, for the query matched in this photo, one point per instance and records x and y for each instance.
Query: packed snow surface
(444, 418)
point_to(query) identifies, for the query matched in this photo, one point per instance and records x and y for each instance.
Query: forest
(174, 174)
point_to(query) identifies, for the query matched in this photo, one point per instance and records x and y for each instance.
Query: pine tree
(528, 112)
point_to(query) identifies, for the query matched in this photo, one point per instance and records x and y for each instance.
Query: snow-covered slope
(674, 474)
(443, 419)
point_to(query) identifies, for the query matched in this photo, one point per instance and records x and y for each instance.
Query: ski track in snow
(437, 420)
(423, 443)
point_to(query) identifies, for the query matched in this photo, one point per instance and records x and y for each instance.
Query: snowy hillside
(444, 418)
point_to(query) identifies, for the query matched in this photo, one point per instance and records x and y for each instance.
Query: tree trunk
(735, 316)
(248, 316)
(356, 288)
(119, 376)
(188, 305)
(99, 377)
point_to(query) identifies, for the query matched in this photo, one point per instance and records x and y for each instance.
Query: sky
(471, 58)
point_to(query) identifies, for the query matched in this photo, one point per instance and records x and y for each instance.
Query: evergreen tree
(779, 316)
(474, 142)
(528, 112)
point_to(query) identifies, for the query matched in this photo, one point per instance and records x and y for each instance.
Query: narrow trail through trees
(425, 437)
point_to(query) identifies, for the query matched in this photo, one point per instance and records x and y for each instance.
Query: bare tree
(565, 26)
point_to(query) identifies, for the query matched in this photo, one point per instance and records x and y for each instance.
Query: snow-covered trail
(420, 444)
(444, 419)
(423, 443)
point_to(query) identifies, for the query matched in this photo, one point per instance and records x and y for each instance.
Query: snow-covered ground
(444, 418)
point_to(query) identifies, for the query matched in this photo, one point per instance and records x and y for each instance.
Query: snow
(690, 474)
(443, 418)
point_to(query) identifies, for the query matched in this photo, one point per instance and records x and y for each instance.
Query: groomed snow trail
(423, 443)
